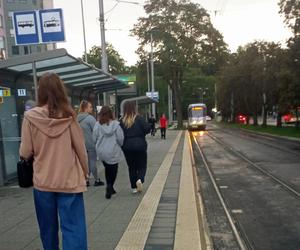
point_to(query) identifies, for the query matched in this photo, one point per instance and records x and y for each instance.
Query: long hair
(129, 114)
(105, 115)
(83, 105)
(52, 92)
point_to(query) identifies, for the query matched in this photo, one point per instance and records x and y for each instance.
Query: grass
(273, 130)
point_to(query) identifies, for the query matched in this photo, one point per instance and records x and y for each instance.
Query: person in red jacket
(163, 126)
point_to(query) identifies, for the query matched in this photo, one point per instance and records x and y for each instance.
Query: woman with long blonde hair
(135, 129)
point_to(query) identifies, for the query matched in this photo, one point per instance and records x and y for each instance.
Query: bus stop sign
(38, 26)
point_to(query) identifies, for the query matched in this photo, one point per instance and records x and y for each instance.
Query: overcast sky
(240, 22)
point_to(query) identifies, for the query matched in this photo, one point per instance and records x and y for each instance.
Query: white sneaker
(134, 190)
(139, 185)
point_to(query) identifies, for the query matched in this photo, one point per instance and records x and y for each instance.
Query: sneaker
(139, 185)
(134, 190)
(108, 193)
(98, 183)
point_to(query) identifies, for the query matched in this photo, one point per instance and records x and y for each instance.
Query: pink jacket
(57, 145)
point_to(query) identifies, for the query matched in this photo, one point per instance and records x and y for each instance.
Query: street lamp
(104, 61)
(83, 29)
(203, 92)
(152, 76)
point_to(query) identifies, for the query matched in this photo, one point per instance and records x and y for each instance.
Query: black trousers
(137, 166)
(111, 171)
(163, 132)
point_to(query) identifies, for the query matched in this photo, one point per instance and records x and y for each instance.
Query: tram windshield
(197, 112)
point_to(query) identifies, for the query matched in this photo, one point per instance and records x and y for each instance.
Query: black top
(134, 137)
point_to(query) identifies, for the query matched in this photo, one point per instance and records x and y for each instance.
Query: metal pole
(35, 81)
(170, 103)
(83, 29)
(104, 63)
(152, 77)
(116, 104)
(148, 84)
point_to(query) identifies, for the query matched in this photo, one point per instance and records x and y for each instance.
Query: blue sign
(154, 95)
(26, 28)
(40, 26)
(52, 25)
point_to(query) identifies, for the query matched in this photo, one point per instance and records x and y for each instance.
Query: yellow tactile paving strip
(136, 234)
(187, 234)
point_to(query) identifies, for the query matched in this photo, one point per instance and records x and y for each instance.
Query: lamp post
(104, 63)
(202, 92)
(152, 75)
(83, 30)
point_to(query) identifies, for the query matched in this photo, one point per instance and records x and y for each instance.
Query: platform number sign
(21, 92)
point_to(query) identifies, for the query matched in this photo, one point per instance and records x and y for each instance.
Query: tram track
(268, 140)
(287, 186)
(232, 223)
(237, 226)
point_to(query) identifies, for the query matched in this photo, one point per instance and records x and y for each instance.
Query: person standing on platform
(163, 126)
(135, 129)
(51, 134)
(108, 137)
(152, 122)
(87, 123)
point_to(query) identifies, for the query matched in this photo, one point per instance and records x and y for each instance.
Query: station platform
(166, 215)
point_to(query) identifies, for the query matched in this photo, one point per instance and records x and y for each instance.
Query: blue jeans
(70, 208)
(92, 161)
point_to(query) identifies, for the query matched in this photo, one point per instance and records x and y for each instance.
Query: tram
(197, 116)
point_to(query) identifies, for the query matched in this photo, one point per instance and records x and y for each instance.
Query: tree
(116, 64)
(290, 9)
(183, 37)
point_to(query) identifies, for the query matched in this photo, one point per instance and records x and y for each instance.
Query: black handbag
(25, 172)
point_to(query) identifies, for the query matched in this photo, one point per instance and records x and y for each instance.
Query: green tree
(116, 64)
(183, 37)
(290, 9)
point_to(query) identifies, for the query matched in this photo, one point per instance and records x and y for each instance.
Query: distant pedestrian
(51, 134)
(152, 122)
(108, 137)
(135, 146)
(87, 123)
(163, 126)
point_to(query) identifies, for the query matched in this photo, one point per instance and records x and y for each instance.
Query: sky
(239, 21)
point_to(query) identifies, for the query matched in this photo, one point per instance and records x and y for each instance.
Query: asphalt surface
(163, 216)
(265, 214)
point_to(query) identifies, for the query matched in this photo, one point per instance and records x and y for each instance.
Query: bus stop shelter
(140, 100)
(19, 75)
(76, 74)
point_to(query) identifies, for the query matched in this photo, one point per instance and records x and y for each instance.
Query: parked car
(289, 118)
(208, 118)
(241, 119)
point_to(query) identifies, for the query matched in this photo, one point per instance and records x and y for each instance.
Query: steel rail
(228, 215)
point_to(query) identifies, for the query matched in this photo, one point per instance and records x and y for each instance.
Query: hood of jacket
(51, 127)
(110, 128)
(82, 116)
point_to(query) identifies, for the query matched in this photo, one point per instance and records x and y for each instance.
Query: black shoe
(98, 183)
(113, 191)
(87, 183)
(108, 192)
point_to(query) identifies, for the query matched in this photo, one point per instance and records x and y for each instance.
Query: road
(250, 187)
